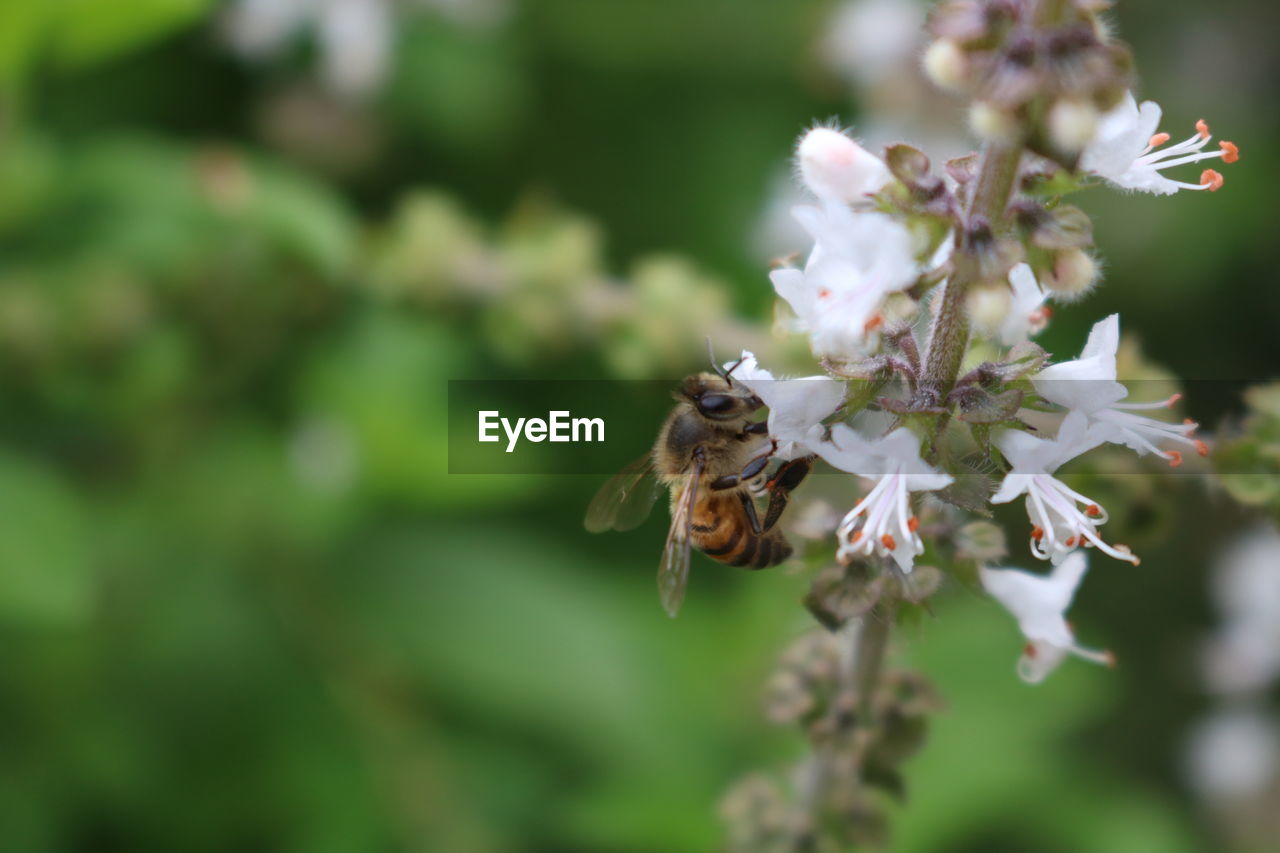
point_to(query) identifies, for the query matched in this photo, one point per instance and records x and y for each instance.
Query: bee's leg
(790, 475)
(750, 506)
(750, 471)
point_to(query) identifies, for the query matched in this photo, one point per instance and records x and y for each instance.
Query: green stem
(873, 640)
(949, 337)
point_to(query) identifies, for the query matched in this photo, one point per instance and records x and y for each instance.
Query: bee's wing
(673, 573)
(625, 499)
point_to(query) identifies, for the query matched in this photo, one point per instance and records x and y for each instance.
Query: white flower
(795, 405)
(354, 36)
(1058, 524)
(1244, 653)
(882, 521)
(857, 260)
(1234, 755)
(868, 40)
(838, 170)
(1088, 384)
(1039, 603)
(1126, 151)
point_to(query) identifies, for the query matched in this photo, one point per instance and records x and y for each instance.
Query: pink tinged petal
(834, 167)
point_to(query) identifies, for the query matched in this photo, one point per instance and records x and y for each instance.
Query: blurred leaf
(83, 32)
(45, 568)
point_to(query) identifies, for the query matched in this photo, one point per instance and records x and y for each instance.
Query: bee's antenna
(715, 364)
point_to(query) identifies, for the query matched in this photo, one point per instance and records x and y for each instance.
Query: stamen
(1037, 533)
(887, 541)
(1128, 552)
(874, 323)
(1175, 458)
(1110, 658)
(1071, 542)
(1202, 128)
(1029, 650)
(824, 293)
(1158, 139)
(1093, 510)
(1230, 151)
(1211, 180)
(1172, 401)
(913, 524)
(1201, 447)
(857, 534)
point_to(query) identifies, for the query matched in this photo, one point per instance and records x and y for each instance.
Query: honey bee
(711, 456)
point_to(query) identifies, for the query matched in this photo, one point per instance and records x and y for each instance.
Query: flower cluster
(912, 274)
(920, 297)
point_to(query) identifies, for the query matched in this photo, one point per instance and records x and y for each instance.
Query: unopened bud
(833, 166)
(1073, 274)
(946, 65)
(988, 307)
(990, 122)
(1072, 124)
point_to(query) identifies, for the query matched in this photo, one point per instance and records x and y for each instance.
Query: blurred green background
(243, 605)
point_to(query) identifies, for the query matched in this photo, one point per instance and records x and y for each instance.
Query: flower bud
(987, 308)
(990, 122)
(945, 64)
(1073, 274)
(835, 167)
(1072, 123)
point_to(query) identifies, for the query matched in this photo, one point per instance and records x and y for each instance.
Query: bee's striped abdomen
(721, 530)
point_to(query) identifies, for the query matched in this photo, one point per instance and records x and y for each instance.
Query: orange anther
(874, 323)
(857, 534)
(1109, 658)
(1202, 128)
(1158, 139)
(1189, 422)
(1071, 542)
(1093, 510)
(1037, 533)
(887, 541)
(1029, 650)
(1230, 151)
(913, 524)
(1175, 458)
(1202, 448)
(1211, 180)
(1172, 401)
(823, 293)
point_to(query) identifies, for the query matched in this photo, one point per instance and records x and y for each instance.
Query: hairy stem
(857, 679)
(873, 639)
(949, 336)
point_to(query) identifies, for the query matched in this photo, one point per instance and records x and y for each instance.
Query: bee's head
(718, 397)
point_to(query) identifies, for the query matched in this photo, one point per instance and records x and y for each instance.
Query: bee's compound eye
(715, 404)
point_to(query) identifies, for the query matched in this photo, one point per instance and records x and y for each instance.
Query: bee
(711, 457)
